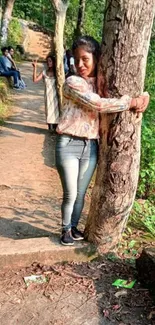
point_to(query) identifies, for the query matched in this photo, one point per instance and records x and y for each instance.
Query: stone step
(45, 250)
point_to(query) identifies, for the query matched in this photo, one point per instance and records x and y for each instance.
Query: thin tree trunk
(6, 19)
(0, 15)
(80, 20)
(127, 31)
(60, 12)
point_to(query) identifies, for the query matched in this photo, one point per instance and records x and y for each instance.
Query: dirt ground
(79, 294)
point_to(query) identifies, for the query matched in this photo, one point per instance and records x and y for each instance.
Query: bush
(3, 99)
(146, 188)
(15, 35)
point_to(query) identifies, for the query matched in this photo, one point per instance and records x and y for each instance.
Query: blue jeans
(11, 73)
(76, 160)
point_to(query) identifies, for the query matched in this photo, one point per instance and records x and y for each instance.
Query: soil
(31, 194)
(78, 294)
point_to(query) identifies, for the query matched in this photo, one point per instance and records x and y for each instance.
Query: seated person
(10, 57)
(6, 69)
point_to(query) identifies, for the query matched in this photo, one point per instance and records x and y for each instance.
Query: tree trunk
(80, 20)
(127, 30)
(60, 11)
(6, 19)
(0, 15)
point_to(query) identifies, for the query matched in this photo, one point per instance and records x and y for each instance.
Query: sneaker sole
(76, 239)
(67, 244)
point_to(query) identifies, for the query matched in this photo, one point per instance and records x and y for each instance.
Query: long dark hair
(91, 46)
(52, 57)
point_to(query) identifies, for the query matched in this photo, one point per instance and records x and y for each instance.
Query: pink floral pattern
(81, 107)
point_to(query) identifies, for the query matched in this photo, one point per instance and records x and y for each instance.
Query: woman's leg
(68, 172)
(68, 168)
(87, 165)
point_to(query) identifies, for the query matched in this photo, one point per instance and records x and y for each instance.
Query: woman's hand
(34, 63)
(139, 104)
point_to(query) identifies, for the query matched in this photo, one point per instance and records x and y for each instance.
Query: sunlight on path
(30, 188)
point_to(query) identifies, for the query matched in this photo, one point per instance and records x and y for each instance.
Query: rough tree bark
(127, 30)
(60, 7)
(6, 19)
(80, 20)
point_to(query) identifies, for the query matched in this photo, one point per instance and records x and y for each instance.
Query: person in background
(10, 55)
(50, 94)
(78, 132)
(66, 67)
(69, 65)
(6, 69)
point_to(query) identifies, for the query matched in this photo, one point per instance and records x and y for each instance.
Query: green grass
(4, 99)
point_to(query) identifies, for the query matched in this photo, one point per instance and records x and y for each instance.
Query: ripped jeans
(76, 160)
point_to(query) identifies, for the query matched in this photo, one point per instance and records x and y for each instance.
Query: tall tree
(6, 19)
(60, 7)
(80, 19)
(0, 13)
(127, 30)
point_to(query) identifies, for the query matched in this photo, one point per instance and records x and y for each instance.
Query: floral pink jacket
(81, 108)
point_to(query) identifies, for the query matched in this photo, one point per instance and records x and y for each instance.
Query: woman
(10, 57)
(51, 100)
(78, 132)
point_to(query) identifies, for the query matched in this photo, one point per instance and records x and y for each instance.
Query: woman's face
(49, 63)
(11, 52)
(85, 63)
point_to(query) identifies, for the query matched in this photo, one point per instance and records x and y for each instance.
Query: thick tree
(126, 36)
(80, 19)
(6, 19)
(60, 7)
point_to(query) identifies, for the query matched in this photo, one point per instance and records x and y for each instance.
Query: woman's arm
(76, 88)
(35, 77)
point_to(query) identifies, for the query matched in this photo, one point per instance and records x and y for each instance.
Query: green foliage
(140, 229)
(3, 100)
(146, 188)
(143, 218)
(14, 32)
(71, 21)
(93, 19)
(94, 14)
(40, 12)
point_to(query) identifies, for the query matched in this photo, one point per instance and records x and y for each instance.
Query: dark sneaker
(76, 234)
(17, 88)
(66, 238)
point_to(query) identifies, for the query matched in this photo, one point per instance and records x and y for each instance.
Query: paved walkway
(29, 184)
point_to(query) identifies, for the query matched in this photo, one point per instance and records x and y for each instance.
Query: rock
(145, 265)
